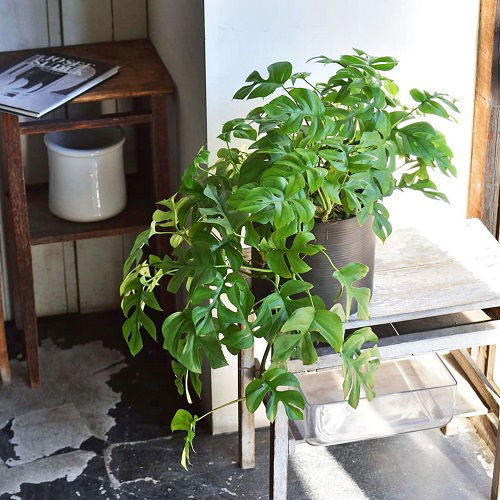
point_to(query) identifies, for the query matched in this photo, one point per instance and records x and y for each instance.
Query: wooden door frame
(484, 187)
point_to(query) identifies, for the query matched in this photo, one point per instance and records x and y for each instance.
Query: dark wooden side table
(144, 79)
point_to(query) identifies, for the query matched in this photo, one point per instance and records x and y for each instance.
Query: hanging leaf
(184, 421)
(268, 384)
(358, 366)
(347, 276)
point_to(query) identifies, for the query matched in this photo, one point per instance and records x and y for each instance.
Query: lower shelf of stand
(47, 228)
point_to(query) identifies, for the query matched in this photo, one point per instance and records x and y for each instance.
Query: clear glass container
(413, 394)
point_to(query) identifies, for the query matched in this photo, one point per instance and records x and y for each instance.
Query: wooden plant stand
(144, 79)
(426, 285)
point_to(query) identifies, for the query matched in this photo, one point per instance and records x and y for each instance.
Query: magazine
(43, 81)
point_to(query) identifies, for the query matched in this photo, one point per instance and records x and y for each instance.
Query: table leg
(495, 492)
(246, 421)
(494, 313)
(161, 177)
(19, 225)
(5, 377)
(278, 460)
(4, 358)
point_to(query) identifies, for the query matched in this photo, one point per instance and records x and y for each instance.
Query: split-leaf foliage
(309, 152)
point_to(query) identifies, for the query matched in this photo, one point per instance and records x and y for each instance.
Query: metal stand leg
(246, 423)
(278, 460)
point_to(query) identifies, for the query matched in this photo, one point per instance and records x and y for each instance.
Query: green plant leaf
(279, 73)
(304, 321)
(359, 366)
(189, 181)
(184, 421)
(385, 63)
(238, 128)
(182, 376)
(268, 384)
(237, 327)
(304, 105)
(136, 296)
(187, 345)
(329, 325)
(300, 320)
(381, 225)
(347, 276)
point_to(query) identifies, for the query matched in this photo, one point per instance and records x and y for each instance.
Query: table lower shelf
(47, 228)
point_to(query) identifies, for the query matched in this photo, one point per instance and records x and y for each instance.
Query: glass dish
(413, 394)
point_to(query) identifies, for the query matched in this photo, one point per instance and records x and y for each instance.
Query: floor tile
(42, 433)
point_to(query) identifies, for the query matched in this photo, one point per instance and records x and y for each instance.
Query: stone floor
(98, 429)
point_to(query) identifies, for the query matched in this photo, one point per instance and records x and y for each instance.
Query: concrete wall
(435, 42)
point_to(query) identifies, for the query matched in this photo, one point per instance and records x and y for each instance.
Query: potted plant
(307, 190)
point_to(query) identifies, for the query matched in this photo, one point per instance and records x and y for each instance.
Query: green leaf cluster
(310, 151)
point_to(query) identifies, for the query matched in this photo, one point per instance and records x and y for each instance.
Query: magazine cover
(41, 82)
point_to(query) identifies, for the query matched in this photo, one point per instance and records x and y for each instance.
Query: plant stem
(329, 260)
(414, 109)
(264, 357)
(221, 406)
(297, 275)
(231, 158)
(257, 269)
(311, 85)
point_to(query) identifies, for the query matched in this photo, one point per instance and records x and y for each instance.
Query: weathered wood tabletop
(440, 270)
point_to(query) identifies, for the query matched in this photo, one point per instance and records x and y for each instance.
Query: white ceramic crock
(86, 176)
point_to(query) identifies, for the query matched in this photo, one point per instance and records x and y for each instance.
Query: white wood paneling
(54, 27)
(49, 278)
(86, 21)
(129, 19)
(23, 24)
(99, 270)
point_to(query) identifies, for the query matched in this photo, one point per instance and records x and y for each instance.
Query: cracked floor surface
(98, 428)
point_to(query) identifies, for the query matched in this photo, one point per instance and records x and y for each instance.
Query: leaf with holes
(268, 384)
(347, 276)
(359, 366)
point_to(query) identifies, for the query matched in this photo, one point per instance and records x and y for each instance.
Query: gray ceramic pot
(344, 241)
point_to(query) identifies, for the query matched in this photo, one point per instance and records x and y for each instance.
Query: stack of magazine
(43, 81)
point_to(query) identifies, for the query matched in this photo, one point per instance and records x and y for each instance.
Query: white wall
(176, 30)
(435, 42)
